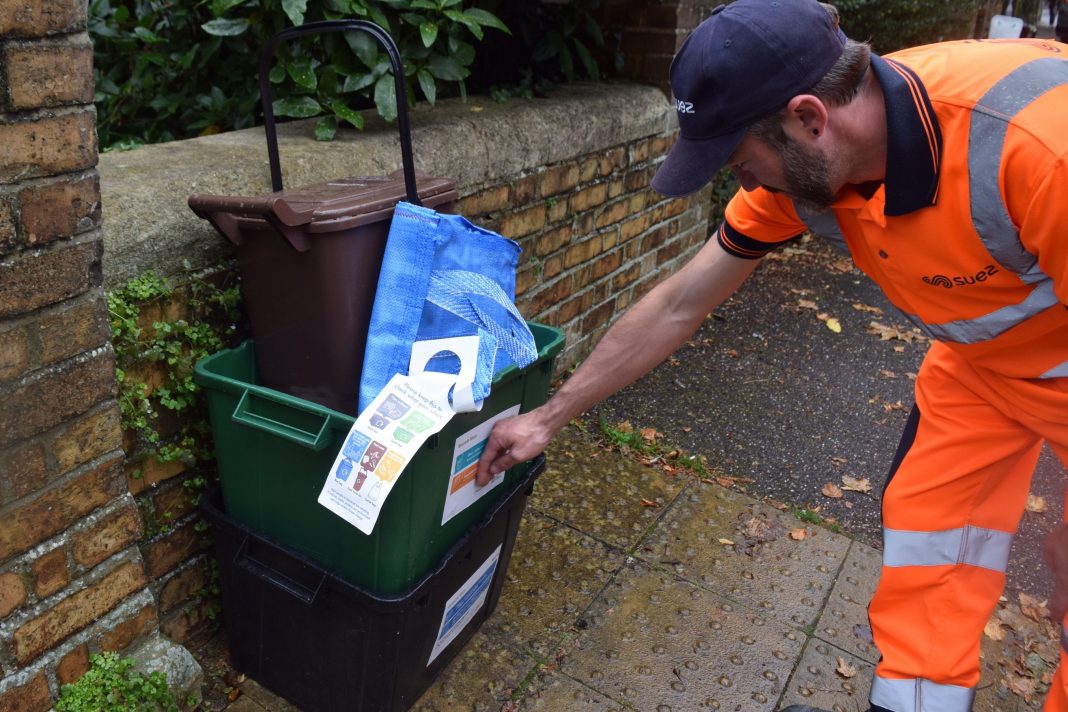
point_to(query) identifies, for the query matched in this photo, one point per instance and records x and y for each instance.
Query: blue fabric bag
(444, 277)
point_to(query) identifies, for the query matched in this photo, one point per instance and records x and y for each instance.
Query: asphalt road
(766, 390)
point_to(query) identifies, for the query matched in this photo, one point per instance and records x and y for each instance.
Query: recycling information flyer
(384, 439)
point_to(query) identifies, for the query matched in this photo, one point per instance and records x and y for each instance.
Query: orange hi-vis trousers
(962, 477)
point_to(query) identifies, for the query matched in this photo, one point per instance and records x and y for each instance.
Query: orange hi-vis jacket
(968, 233)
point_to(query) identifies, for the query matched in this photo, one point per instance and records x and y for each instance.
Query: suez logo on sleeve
(684, 107)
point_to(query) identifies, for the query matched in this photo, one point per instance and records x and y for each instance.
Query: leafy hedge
(168, 69)
(894, 24)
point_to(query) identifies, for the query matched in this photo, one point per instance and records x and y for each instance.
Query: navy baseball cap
(747, 60)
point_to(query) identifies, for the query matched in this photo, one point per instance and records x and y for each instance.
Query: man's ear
(805, 118)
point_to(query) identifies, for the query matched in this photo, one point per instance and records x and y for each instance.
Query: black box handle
(407, 163)
(244, 561)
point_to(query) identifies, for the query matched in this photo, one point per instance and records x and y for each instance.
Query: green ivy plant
(112, 684)
(176, 345)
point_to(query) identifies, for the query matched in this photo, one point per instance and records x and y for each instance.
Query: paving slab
(656, 642)
(749, 552)
(554, 575)
(551, 691)
(844, 620)
(481, 678)
(830, 678)
(600, 493)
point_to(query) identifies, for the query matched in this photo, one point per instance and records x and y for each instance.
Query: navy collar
(914, 140)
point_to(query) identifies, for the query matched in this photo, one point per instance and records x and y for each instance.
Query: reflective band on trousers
(1064, 638)
(985, 548)
(990, 217)
(919, 695)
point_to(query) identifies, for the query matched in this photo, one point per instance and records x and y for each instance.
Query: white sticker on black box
(462, 606)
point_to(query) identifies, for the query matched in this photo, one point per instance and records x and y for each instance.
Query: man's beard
(806, 174)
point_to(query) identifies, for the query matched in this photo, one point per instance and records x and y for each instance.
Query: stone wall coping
(477, 142)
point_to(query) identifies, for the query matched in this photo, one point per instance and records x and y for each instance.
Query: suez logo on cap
(684, 107)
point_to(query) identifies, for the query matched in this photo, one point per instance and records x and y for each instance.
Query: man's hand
(513, 440)
(1056, 555)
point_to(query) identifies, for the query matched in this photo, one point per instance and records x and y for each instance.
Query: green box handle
(314, 441)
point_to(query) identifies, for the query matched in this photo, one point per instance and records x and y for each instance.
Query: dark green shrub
(894, 24)
(167, 70)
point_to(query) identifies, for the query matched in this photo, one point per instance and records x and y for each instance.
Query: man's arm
(648, 333)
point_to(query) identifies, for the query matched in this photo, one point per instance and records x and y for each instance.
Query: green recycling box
(275, 451)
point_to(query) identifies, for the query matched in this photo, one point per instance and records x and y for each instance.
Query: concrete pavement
(634, 587)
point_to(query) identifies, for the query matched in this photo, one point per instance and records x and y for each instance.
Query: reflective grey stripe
(1057, 371)
(989, 124)
(823, 225)
(988, 326)
(919, 695)
(986, 548)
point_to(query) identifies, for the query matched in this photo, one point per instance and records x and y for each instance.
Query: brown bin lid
(339, 204)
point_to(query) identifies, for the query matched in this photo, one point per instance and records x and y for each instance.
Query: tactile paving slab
(598, 492)
(554, 692)
(831, 679)
(481, 678)
(553, 575)
(743, 549)
(844, 621)
(656, 642)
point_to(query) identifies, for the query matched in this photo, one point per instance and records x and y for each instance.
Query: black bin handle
(320, 27)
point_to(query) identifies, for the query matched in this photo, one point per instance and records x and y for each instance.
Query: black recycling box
(328, 645)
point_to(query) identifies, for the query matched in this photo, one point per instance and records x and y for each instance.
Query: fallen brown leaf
(886, 333)
(755, 528)
(798, 534)
(844, 668)
(832, 490)
(1033, 608)
(649, 503)
(994, 630)
(856, 484)
(868, 309)
(1022, 686)
(838, 460)
(807, 304)
(650, 435)
(726, 542)
(885, 373)
(1035, 504)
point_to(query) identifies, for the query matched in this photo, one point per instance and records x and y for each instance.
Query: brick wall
(72, 578)
(595, 237)
(647, 35)
(99, 551)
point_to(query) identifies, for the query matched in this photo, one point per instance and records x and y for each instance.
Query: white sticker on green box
(461, 490)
